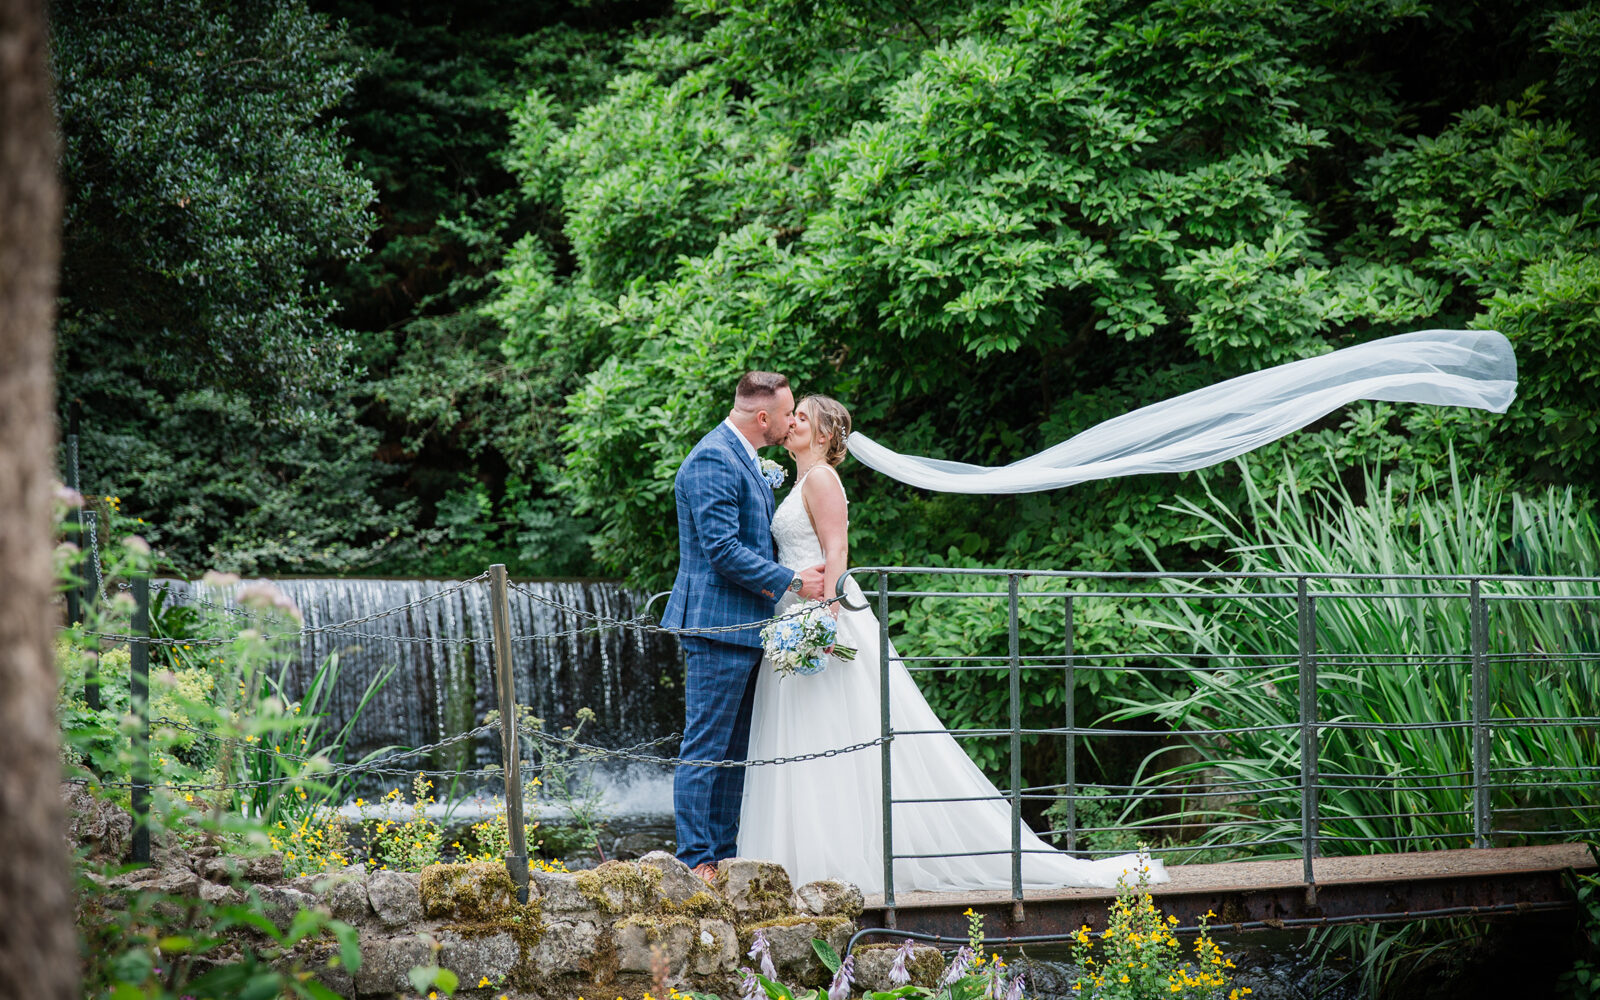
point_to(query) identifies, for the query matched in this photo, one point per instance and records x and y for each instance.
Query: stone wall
(618, 930)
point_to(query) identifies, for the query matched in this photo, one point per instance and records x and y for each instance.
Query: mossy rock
(478, 891)
(621, 887)
(701, 904)
(873, 962)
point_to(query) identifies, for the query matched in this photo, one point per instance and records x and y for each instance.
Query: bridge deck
(1274, 894)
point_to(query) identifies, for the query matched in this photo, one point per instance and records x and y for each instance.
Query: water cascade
(443, 664)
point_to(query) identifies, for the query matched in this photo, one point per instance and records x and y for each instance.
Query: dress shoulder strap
(831, 471)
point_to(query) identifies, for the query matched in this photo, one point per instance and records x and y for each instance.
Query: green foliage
(163, 947)
(1383, 659)
(207, 185)
(991, 225)
(1583, 979)
(400, 842)
(428, 126)
(203, 186)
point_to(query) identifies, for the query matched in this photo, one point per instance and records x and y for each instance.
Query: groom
(727, 575)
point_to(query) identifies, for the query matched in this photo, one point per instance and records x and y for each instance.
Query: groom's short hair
(758, 387)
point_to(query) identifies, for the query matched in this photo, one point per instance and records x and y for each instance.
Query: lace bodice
(798, 546)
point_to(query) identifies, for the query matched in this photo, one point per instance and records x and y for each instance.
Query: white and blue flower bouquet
(801, 642)
(772, 472)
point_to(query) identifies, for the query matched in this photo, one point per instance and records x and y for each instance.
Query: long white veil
(1444, 367)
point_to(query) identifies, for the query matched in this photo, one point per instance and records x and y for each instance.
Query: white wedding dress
(823, 818)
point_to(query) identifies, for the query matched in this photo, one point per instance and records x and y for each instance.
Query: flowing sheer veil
(1444, 367)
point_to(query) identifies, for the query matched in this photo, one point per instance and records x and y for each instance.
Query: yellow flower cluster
(1141, 957)
(316, 843)
(408, 845)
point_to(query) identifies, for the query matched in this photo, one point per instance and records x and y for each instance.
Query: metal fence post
(1014, 649)
(1069, 697)
(74, 593)
(1306, 615)
(139, 705)
(1481, 734)
(887, 732)
(505, 688)
(91, 680)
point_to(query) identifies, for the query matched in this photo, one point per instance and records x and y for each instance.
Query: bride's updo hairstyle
(831, 420)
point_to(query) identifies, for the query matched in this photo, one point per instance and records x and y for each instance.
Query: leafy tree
(987, 226)
(472, 439)
(206, 184)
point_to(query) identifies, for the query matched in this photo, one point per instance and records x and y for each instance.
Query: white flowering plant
(799, 643)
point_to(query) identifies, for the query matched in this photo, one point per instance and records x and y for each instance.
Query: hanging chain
(337, 627)
(585, 751)
(589, 750)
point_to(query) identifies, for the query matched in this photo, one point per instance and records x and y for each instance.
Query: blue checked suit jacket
(727, 568)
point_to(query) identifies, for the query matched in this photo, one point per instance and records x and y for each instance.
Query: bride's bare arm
(824, 500)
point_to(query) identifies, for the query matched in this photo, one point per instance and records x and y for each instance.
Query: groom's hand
(811, 583)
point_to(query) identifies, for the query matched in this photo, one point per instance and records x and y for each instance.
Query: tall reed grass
(1394, 658)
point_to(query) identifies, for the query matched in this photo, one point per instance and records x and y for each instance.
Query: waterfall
(442, 685)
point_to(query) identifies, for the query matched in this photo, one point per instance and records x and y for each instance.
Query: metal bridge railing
(1456, 771)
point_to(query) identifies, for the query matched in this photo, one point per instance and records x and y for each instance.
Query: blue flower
(772, 472)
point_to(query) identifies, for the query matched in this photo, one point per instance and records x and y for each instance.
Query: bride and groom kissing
(744, 558)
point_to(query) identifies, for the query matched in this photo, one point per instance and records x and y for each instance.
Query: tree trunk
(38, 948)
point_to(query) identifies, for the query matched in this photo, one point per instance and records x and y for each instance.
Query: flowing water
(443, 679)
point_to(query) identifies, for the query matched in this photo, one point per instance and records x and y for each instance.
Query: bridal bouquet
(798, 643)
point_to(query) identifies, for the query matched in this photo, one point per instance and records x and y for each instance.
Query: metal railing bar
(1542, 597)
(1532, 786)
(1177, 848)
(1545, 722)
(1145, 668)
(1536, 768)
(1401, 839)
(1352, 817)
(1353, 776)
(1293, 785)
(1078, 574)
(1121, 594)
(1569, 807)
(1548, 833)
(1232, 782)
(1054, 659)
(1460, 787)
(963, 854)
(1081, 731)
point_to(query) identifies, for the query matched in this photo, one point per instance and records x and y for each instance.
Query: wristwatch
(794, 585)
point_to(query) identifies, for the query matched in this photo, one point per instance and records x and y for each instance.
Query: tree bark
(38, 947)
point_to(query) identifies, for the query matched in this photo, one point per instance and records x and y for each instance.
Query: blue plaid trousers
(719, 690)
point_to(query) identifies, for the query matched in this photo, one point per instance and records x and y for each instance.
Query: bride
(823, 818)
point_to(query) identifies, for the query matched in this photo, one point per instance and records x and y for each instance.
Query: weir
(440, 653)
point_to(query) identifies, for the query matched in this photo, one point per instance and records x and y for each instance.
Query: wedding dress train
(823, 818)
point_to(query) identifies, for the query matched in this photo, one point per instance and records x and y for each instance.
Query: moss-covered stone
(479, 899)
(479, 891)
(621, 887)
(701, 904)
(873, 962)
(789, 940)
(757, 890)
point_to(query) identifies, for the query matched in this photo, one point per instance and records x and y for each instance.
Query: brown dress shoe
(707, 871)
